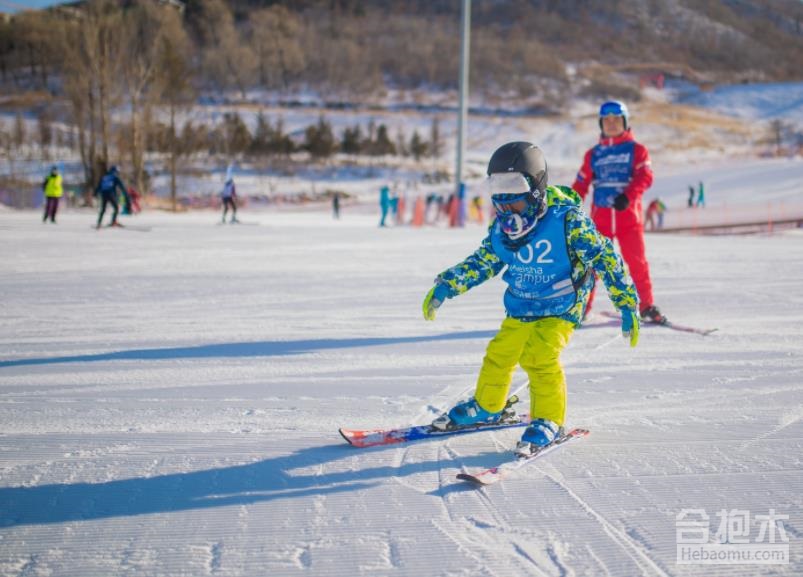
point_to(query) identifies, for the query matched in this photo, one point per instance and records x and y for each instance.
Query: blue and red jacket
(614, 166)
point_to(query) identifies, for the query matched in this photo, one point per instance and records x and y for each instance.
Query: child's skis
(496, 474)
(374, 437)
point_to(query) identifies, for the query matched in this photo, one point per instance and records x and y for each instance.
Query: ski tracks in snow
(480, 529)
(628, 545)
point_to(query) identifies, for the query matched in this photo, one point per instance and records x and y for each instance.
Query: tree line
(114, 68)
(232, 138)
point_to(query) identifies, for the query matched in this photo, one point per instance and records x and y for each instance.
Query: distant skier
(701, 195)
(229, 196)
(479, 209)
(551, 249)
(619, 170)
(691, 196)
(52, 187)
(384, 203)
(336, 205)
(107, 189)
(655, 210)
(134, 196)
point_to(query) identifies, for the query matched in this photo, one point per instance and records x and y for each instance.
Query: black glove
(621, 202)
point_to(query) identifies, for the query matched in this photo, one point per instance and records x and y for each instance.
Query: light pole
(462, 113)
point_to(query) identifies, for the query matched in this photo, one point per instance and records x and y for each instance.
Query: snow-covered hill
(752, 101)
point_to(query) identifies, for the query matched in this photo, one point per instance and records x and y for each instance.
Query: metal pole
(462, 118)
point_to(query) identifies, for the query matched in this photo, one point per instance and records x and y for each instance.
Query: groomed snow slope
(170, 401)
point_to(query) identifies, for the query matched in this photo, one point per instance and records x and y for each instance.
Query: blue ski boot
(470, 414)
(541, 433)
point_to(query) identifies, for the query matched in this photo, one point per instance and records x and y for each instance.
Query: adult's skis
(668, 324)
(496, 474)
(129, 227)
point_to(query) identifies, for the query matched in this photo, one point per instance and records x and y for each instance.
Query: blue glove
(630, 326)
(434, 299)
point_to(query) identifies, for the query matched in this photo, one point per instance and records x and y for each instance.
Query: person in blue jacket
(107, 189)
(549, 250)
(384, 203)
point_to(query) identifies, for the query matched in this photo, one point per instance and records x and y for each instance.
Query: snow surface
(170, 402)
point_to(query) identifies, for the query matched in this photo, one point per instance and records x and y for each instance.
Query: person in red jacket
(618, 168)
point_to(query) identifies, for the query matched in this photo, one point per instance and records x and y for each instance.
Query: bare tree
(175, 84)
(78, 86)
(45, 128)
(225, 59)
(34, 45)
(147, 24)
(6, 49)
(91, 47)
(275, 38)
(435, 141)
(18, 137)
(106, 21)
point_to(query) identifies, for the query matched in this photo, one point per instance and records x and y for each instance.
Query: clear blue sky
(17, 5)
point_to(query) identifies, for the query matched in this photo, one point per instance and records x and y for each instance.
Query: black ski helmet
(523, 157)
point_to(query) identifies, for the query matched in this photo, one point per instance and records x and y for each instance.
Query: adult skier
(550, 249)
(619, 169)
(53, 190)
(655, 209)
(701, 195)
(384, 203)
(229, 195)
(107, 189)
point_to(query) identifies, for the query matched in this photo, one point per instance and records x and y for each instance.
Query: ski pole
(607, 343)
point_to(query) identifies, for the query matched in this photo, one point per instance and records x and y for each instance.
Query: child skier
(551, 249)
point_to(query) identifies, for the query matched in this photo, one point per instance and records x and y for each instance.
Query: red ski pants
(631, 245)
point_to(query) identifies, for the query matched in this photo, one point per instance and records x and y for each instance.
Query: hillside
(351, 49)
(277, 85)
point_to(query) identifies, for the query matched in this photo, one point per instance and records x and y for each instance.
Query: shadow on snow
(248, 349)
(267, 480)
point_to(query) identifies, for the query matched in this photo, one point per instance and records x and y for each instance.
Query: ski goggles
(510, 192)
(509, 204)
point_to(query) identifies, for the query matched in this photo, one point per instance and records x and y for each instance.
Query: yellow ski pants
(536, 346)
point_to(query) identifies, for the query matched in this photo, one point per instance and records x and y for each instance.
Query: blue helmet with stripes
(613, 108)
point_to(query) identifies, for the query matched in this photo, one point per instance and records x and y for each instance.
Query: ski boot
(541, 433)
(652, 315)
(469, 414)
